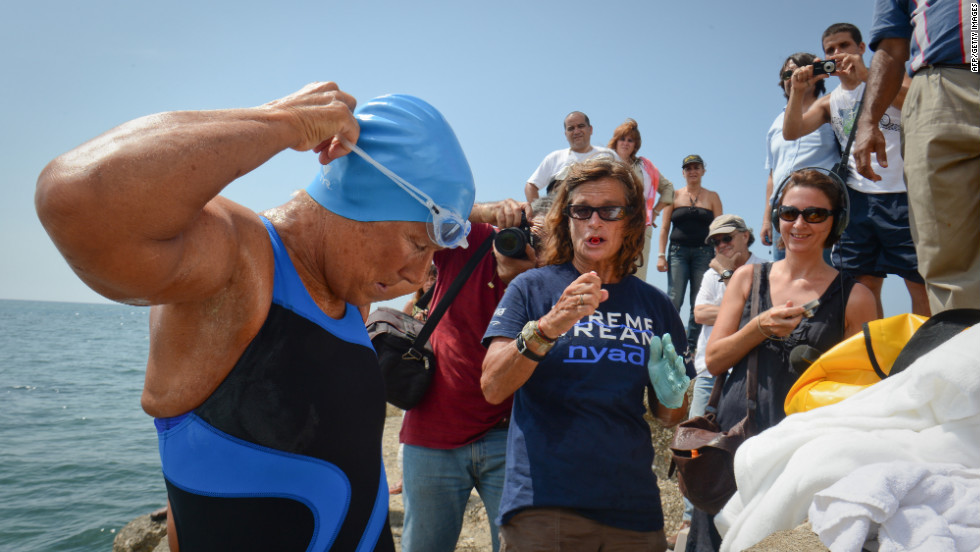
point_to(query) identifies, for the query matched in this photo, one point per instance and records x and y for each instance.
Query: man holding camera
(454, 439)
(877, 240)
(578, 132)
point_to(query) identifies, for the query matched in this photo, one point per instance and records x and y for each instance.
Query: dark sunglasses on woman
(584, 212)
(810, 214)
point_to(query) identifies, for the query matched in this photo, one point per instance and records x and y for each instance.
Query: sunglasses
(446, 227)
(787, 74)
(584, 212)
(810, 214)
(727, 238)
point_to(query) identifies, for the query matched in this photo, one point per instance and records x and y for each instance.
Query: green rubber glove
(667, 372)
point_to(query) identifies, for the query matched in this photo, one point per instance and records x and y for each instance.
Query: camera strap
(436, 314)
(423, 301)
(841, 169)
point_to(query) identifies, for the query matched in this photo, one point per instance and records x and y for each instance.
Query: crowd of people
(265, 388)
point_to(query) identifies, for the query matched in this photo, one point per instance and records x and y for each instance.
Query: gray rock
(143, 534)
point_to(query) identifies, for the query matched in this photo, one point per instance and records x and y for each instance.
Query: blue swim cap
(413, 140)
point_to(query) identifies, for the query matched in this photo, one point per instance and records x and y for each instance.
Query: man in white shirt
(578, 132)
(878, 238)
(731, 239)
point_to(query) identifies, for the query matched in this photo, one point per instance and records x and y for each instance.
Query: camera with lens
(824, 67)
(513, 242)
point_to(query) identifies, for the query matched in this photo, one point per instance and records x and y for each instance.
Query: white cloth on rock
(910, 505)
(929, 413)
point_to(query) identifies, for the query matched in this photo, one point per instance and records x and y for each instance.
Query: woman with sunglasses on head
(809, 212)
(590, 338)
(626, 142)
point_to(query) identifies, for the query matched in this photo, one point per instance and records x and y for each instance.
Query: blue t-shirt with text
(577, 436)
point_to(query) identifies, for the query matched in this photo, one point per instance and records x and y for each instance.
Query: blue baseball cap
(407, 165)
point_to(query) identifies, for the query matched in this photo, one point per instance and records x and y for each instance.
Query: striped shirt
(937, 29)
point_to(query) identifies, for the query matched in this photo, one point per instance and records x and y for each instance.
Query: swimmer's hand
(667, 373)
(320, 113)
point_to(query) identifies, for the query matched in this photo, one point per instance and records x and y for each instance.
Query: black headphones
(841, 215)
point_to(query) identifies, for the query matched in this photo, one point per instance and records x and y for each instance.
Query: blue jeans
(777, 253)
(687, 265)
(436, 485)
(702, 392)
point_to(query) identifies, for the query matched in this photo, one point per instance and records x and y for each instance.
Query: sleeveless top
(776, 377)
(286, 453)
(689, 225)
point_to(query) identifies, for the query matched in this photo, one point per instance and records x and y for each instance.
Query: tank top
(822, 332)
(689, 225)
(285, 455)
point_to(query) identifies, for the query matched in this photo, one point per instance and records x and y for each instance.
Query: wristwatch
(522, 348)
(725, 274)
(531, 334)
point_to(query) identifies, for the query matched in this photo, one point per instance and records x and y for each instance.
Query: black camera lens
(512, 242)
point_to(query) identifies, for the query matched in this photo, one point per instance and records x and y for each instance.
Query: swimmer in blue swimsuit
(265, 449)
(265, 389)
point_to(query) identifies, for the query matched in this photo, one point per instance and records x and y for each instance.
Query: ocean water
(78, 456)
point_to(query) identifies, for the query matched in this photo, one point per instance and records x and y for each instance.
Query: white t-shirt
(843, 108)
(557, 160)
(711, 292)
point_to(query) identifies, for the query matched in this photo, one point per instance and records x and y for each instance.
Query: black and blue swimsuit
(286, 453)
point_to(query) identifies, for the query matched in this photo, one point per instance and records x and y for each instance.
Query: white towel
(929, 413)
(916, 506)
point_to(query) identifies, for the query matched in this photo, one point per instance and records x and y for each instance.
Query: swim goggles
(446, 227)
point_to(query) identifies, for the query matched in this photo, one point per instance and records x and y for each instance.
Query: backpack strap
(933, 333)
(871, 353)
(752, 381)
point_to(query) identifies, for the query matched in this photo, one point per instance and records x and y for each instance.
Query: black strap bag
(402, 342)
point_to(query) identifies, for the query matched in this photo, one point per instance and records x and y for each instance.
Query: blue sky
(699, 77)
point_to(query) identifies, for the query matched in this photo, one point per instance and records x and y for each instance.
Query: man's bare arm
(502, 214)
(886, 82)
(531, 192)
(765, 233)
(706, 314)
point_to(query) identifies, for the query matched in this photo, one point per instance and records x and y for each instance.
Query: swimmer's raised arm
(135, 213)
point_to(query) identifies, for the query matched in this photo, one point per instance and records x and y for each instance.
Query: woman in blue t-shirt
(579, 451)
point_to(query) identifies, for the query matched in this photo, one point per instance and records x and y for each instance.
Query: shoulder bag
(702, 454)
(402, 342)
